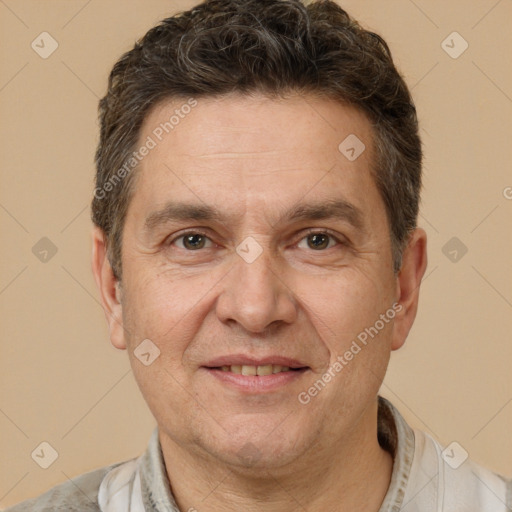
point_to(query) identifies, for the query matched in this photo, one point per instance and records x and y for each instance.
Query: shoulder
(455, 480)
(77, 494)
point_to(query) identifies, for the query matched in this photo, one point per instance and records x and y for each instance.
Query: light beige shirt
(425, 478)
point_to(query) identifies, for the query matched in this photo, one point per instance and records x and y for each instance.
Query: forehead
(239, 122)
(254, 152)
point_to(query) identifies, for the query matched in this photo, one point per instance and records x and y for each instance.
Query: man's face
(295, 264)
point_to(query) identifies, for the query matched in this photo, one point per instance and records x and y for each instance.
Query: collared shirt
(425, 478)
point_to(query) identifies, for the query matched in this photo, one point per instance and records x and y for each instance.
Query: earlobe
(414, 264)
(109, 287)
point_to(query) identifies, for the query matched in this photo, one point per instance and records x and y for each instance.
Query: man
(257, 255)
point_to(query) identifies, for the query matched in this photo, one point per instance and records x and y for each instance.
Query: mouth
(260, 370)
(256, 378)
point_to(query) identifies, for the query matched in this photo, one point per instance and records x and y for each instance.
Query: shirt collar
(397, 437)
(156, 491)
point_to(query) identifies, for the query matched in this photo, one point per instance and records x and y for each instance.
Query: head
(257, 190)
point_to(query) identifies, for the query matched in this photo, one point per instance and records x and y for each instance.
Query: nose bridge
(256, 275)
(254, 295)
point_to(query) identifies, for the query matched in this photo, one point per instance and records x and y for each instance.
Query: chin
(251, 459)
(263, 445)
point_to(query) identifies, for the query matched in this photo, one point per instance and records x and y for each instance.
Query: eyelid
(196, 231)
(309, 231)
(324, 231)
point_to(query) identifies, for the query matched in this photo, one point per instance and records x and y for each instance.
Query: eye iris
(195, 241)
(318, 240)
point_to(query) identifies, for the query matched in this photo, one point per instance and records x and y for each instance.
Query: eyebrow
(330, 209)
(339, 209)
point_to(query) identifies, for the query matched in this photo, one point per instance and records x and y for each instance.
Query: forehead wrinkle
(241, 154)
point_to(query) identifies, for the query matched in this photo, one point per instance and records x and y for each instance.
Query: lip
(242, 359)
(256, 384)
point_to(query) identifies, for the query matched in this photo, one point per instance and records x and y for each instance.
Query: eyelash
(313, 231)
(309, 232)
(183, 235)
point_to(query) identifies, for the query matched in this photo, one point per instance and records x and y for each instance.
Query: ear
(109, 287)
(414, 263)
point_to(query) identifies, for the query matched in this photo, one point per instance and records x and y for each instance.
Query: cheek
(346, 313)
(343, 304)
(161, 307)
(162, 310)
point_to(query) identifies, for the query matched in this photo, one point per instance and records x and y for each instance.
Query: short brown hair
(269, 46)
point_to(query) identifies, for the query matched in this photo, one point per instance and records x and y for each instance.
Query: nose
(255, 296)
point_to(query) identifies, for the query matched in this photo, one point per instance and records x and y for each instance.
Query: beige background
(63, 383)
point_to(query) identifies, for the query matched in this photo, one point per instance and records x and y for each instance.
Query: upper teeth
(266, 369)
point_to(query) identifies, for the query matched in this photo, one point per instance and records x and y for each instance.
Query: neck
(352, 474)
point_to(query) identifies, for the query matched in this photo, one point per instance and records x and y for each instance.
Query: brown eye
(318, 241)
(192, 241)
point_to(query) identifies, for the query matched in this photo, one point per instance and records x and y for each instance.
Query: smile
(267, 369)
(255, 379)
